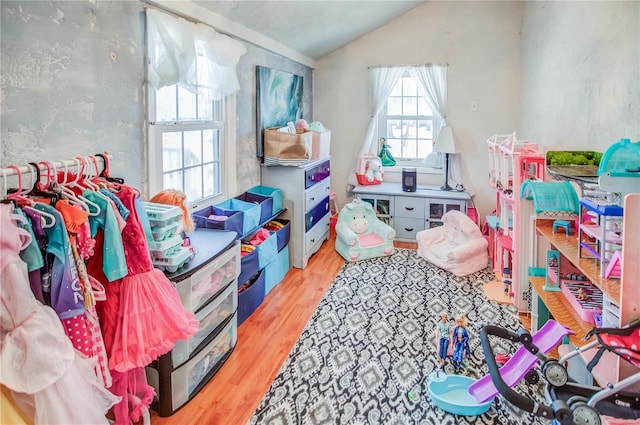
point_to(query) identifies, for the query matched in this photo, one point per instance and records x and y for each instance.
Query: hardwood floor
(264, 341)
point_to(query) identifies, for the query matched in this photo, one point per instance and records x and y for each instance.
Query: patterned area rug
(371, 342)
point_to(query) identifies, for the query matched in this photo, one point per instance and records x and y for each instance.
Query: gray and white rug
(371, 342)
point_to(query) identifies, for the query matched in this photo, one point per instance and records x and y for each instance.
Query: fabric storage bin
(250, 212)
(321, 144)
(282, 228)
(251, 296)
(265, 203)
(233, 221)
(267, 249)
(209, 318)
(273, 192)
(276, 270)
(248, 263)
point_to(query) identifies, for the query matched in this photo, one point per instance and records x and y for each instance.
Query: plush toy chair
(360, 234)
(458, 246)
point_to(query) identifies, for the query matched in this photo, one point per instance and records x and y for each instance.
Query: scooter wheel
(532, 377)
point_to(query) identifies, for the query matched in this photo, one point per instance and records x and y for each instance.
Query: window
(407, 122)
(188, 135)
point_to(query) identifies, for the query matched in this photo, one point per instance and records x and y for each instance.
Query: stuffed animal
(374, 170)
(360, 234)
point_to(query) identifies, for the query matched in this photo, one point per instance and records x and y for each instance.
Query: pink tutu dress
(151, 317)
(51, 382)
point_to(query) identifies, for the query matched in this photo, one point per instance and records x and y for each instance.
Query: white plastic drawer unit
(317, 193)
(183, 383)
(209, 318)
(196, 290)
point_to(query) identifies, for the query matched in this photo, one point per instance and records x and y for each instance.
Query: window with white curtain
(192, 80)
(407, 122)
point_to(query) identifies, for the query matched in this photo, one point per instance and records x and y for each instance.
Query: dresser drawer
(409, 207)
(209, 318)
(316, 174)
(317, 233)
(196, 290)
(317, 193)
(406, 228)
(314, 215)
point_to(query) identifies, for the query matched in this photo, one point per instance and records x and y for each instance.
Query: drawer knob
(312, 199)
(408, 208)
(313, 240)
(409, 230)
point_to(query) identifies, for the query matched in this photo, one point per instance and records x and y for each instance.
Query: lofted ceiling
(313, 28)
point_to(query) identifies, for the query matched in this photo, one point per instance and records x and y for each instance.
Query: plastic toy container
(161, 233)
(272, 192)
(162, 215)
(174, 261)
(165, 248)
(451, 394)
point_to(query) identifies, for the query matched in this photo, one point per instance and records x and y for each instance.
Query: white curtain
(381, 80)
(432, 85)
(191, 55)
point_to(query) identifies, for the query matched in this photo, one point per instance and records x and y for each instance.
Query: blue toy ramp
(521, 362)
(451, 394)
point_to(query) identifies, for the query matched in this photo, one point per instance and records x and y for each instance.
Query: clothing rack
(79, 162)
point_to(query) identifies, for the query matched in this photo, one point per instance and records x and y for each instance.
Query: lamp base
(446, 187)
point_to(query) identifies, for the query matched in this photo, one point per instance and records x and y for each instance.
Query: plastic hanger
(48, 220)
(70, 194)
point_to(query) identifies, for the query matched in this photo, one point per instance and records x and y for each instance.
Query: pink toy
(614, 268)
(302, 125)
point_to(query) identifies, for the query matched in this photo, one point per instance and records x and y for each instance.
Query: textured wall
(580, 74)
(481, 43)
(72, 75)
(72, 84)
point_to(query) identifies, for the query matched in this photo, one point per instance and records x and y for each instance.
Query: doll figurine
(177, 198)
(460, 341)
(443, 330)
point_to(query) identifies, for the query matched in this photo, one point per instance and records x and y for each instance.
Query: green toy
(385, 154)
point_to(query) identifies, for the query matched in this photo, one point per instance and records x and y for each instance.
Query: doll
(177, 198)
(460, 341)
(443, 330)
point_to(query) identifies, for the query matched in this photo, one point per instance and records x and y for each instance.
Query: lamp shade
(445, 142)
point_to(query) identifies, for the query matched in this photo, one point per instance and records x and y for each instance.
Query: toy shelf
(568, 246)
(596, 232)
(562, 310)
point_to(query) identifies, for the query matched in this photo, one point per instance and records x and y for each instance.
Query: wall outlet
(473, 106)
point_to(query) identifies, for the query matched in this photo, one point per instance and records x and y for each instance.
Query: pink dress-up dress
(50, 381)
(151, 318)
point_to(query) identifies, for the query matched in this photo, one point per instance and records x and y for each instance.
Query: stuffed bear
(374, 170)
(360, 234)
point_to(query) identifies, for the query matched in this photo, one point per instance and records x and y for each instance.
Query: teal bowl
(451, 394)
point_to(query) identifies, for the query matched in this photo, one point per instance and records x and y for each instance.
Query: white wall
(580, 74)
(481, 43)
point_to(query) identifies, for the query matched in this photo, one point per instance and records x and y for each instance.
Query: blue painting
(279, 100)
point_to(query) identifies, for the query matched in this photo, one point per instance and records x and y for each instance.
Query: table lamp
(445, 144)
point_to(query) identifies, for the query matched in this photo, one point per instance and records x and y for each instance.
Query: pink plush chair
(458, 246)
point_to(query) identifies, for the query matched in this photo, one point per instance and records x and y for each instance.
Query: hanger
(88, 175)
(78, 199)
(105, 171)
(48, 220)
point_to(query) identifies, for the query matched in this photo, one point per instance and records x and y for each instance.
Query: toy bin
(250, 296)
(282, 229)
(209, 318)
(267, 249)
(165, 248)
(174, 261)
(274, 193)
(250, 212)
(161, 215)
(248, 263)
(212, 218)
(265, 203)
(276, 270)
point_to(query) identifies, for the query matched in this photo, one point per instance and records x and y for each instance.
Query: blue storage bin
(273, 192)
(251, 298)
(283, 234)
(250, 212)
(267, 249)
(233, 221)
(249, 264)
(276, 270)
(265, 203)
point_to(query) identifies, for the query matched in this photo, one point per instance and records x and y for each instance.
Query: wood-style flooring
(264, 342)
